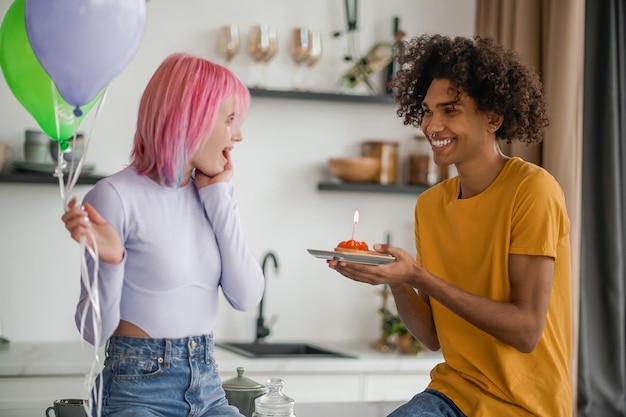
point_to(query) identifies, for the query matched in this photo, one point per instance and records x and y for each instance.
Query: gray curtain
(602, 343)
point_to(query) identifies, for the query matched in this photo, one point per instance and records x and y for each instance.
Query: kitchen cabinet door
(316, 388)
(394, 387)
(38, 392)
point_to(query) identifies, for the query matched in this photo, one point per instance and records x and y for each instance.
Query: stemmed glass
(228, 42)
(262, 47)
(306, 50)
(299, 48)
(315, 49)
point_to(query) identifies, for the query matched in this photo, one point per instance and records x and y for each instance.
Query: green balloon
(30, 83)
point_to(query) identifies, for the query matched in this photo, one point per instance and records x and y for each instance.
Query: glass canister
(274, 403)
(387, 153)
(422, 167)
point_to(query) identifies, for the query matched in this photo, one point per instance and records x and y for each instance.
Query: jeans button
(194, 344)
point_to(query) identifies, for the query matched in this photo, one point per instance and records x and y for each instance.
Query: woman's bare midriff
(128, 329)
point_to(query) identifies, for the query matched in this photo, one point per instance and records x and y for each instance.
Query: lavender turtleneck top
(182, 244)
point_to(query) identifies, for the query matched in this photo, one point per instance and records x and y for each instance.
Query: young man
(490, 285)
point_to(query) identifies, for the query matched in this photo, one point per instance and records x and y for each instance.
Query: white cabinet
(348, 387)
(37, 392)
(313, 388)
(394, 387)
(372, 376)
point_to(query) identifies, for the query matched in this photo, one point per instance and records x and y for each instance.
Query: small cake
(353, 246)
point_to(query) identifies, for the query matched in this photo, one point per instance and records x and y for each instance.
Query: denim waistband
(188, 346)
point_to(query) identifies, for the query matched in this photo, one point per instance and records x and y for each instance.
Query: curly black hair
(493, 76)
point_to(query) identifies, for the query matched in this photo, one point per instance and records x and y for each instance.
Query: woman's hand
(79, 220)
(202, 180)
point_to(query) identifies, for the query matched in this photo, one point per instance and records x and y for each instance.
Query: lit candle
(356, 221)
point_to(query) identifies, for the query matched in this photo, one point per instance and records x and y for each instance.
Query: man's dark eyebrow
(444, 104)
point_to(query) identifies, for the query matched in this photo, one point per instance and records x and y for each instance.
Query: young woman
(168, 236)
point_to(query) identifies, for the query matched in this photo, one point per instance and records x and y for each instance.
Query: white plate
(49, 167)
(352, 257)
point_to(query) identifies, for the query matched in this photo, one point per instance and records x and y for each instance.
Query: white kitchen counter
(362, 409)
(366, 360)
(33, 375)
(74, 358)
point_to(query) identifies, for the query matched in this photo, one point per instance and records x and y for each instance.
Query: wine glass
(262, 47)
(228, 42)
(315, 49)
(299, 48)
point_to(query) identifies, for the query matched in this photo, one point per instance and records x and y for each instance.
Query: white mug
(36, 147)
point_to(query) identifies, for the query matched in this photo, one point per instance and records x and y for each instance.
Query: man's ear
(495, 121)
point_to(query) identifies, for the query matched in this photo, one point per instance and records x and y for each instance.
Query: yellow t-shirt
(467, 242)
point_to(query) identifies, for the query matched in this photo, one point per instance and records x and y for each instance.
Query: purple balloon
(84, 44)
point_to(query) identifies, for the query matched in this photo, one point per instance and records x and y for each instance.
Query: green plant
(392, 325)
(389, 322)
(399, 328)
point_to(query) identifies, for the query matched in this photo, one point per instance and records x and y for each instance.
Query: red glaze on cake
(353, 246)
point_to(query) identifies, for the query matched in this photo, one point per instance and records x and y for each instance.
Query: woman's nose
(237, 135)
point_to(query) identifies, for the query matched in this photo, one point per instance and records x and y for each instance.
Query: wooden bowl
(357, 169)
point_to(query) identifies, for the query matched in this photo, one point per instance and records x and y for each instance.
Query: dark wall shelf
(43, 178)
(372, 188)
(320, 96)
(17, 176)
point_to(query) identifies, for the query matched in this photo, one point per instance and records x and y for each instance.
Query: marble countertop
(75, 358)
(348, 409)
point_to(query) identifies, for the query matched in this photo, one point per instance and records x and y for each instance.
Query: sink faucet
(262, 331)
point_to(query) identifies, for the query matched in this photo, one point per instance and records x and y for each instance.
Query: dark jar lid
(242, 383)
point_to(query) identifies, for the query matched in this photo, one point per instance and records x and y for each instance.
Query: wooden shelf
(43, 178)
(372, 188)
(320, 96)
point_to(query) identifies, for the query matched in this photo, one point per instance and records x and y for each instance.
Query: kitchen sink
(280, 350)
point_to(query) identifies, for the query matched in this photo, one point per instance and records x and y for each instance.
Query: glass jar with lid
(274, 403)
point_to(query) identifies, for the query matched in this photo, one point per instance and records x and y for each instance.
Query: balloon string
(93, 296)
(91, 286)
(75, 167)
(74, 178)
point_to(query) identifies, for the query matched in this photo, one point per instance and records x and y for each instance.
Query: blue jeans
(429, 403)
(162, 377)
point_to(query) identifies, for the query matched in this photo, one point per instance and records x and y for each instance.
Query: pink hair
(177, 110)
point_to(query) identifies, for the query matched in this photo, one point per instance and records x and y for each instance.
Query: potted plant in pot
(393, 328)
(405, 342)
